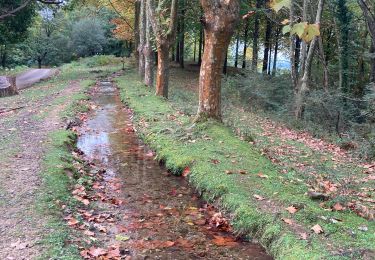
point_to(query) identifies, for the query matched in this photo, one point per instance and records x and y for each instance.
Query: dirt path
(33, 76)
(21, 227)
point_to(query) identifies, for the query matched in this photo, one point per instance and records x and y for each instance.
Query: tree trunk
(39, 63)
(372, 51)
(303, 85)
(195, 48)
(237, 47)
(325, 65)
(293, 47)
(162, 79)
(8, 86)
(225, 66)
(149, 55)
(137, 7)
(164, 40)
(142, 39)
(246, 32)
(254, 66)
(219, 23)
(274, 68)
(182, 35)
(200, 45)
(267, 46)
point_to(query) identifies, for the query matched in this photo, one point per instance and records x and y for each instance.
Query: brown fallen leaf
(288, 221)
(258, 197)
(317, 229)
(291, 209)
(338, 207)
(242, 172)
(263, 176)
(97, 251)
(73, 222)
(114, 252)
(224, 241)
(303, 236)
(89, 233)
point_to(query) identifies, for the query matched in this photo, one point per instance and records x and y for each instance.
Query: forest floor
(301, 196)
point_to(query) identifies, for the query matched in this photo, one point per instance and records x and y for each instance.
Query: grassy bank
(240, 179)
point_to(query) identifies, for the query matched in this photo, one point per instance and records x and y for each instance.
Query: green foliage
(88, 37)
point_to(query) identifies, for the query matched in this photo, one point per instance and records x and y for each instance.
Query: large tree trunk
(142, 38)
(39, 63)
(267, 46)
(162, 79)
(220, 19)
(325, 65)
(254, 66)
(246, 32)
(165, 36)
(149, 56)
(372, 73)
(293, 67)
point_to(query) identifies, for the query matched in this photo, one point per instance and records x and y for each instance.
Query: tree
(9, 8)
(254, 65)
(164, 28)
(219, 21)
(88, 36)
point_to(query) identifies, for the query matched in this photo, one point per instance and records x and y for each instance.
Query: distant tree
(88, 36)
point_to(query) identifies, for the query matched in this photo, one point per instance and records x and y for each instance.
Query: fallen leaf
(224, 241)
(303, 236)
(97, 251)
(186, 172)
(292, 209)
(242, 172)
(122, 238)
(89, 233)
(228, 172)
(317, 229)
(263, 176)
(73, 222)
(288, 221)
(258, 197)
(338, 207)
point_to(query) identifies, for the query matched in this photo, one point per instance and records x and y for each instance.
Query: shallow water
(161, 217)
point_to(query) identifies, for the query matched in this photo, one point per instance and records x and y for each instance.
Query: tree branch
(26, 3)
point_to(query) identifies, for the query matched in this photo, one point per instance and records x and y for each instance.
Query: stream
(155, 215)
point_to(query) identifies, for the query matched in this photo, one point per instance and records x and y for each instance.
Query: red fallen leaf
(85, 254)
(292, 209)
(97, 251)
(200, 222)
(224, 241)
(263, 176)
(303, 236)
(114, 252)
(97, 186)
(169, 243)
(73, 222)
(338, 207)
(317, 229)
(215, 161)
(288, 221)
(89, 233)
(186, 172)
(149, 154)
(186, 244)
(115, 201)
(258, 197)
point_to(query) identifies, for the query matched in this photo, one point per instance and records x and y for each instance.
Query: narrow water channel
(161, 217)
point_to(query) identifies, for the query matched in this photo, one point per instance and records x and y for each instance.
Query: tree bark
(165, 35)
(220, 19)
(162, 78)
(137, 7)
(182, 34)
(274, 68)
(246, 32)
(303, 85)
(200, 45)
(267, 46)
(293, 69)
(8, 86)
(142, 38)
(148, 53)
(237, 47)
(325, 65)
(254, 66)
(372, 73)
(225, 66)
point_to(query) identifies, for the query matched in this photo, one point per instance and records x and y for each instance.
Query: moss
(211, 150)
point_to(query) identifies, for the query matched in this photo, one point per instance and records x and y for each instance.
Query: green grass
(180, 144)
(55, 193)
